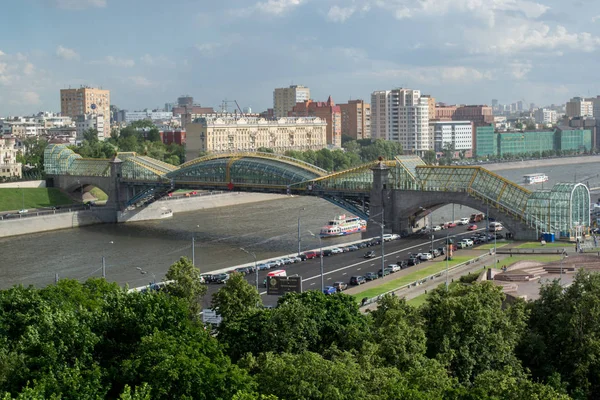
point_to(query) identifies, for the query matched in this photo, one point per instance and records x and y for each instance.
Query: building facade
(237, 133)
(452, 134)
(176, 136)
(579, 107)
(379, 114)
(545, 116)
(328, 112)
(85, 100)
(486, 144)
(356, 119)
(480, 115)
(573, 140)
(9, 167)
(284, 99)
(154, 115)
(91, 121)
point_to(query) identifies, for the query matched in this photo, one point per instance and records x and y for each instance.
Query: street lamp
(299, 237)
(255, 268)
(104, 259)
(320, 257)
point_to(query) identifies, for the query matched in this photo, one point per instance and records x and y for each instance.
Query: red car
(450, 225)
(472, 227)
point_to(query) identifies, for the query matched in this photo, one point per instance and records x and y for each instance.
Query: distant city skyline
(148, 53)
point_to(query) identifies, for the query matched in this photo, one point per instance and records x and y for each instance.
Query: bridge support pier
(380, 202)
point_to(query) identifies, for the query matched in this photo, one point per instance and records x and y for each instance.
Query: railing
(13, 216)
(188, 195)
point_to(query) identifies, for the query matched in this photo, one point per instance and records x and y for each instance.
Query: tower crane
(224, 106)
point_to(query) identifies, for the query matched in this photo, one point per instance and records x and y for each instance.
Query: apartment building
(545, 116)
(85, 100)
(328, 112)
(580, 107)
(154, 115)
(379, 114)
(239, 133)
(284, 99)
(9, 167)
(458, 134)
(356, 119)
(91, 121)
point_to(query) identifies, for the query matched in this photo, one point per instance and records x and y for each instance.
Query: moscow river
(135, 252)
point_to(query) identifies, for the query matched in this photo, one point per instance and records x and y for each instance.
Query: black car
(302, 257)
(371, 276)
(327, 253)
(370, 254)
(208, 278)
(361, 245)
(357, 280)
(442, 250)
(220, 278)
(243, 270)
(412, 261)
(402, 264)
(385, 272)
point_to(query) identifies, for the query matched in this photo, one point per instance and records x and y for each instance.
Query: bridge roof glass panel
(410, 163)
(89, 167)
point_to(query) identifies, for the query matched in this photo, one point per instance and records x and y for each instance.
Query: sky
(149, 52)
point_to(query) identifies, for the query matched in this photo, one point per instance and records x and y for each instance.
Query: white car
(336, 250)
(437, 228)
(388, 237)
(463, 221)
(395, 236)
(394, 267)
(23, 211)
(425, 256)
(468, 242)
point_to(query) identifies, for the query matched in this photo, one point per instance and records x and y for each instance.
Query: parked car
(207, 278)
(450, 225)
(220, 278)
(310, 255)
(371, 276)
(344, 249)
(394, 267)
(402, 264)
(441, 250)
(424, 256)
(336, 250)
(413, 261)
(352, 247)
(472, 227)
(357, 280)
(370, 254)
(435, 253)
(469, 242)
(362, 245)
(387, 237)
(340, 286)
(262, 267)
(385, 272)
(329, 290)
(296, 259)
(288, 261)
(327, 252)
(463, 221)
(272, 264)
(461, 245)
(436, 228)
(242, 270)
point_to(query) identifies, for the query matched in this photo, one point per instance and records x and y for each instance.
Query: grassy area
(16, 199)
(538, 245)
(99, 194)
(430, 269)
(418, 301)
(491, 246)
(544, 258)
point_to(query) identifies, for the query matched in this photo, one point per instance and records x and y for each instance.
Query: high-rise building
(379, 114)
(455, 134)
(430, 105)
(595, 106)
(91, 121)
(406, 114)
(520, 105)
(85, 100)
(545, 116)
(284, 99)
(328, 112)
(356, 119)
(580, 107)
(185, 100)
(495, 104)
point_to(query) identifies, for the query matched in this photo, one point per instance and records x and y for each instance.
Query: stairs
(521, 275)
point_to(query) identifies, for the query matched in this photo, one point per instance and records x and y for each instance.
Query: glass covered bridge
(564, 209)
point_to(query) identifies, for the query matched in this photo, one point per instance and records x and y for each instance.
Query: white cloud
(66, 54)
(340, 14)
(26, 98)
(435, 75)
(115, 62)
(596, 18)
(28, 68)
(79, 4)
(277, 7)
(141, 81)
(519, 70)
(157, 61)
(1, 53)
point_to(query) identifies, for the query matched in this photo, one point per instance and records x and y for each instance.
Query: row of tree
(96, 340)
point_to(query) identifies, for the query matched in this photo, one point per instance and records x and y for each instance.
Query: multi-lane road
(340, 267)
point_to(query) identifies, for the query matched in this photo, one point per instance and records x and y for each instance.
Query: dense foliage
(141, 137)
(96, 340)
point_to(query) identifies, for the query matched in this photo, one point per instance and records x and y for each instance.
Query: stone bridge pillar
(116, 194)
(379, 201)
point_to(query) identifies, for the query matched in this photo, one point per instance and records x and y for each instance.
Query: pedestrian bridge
(403, 189)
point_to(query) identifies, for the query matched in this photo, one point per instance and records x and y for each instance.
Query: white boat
(530, 179)
(165, 213)
(343, 225)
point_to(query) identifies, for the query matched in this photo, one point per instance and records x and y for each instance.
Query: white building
(545, 116)
(284, 99)
(9, 167)
(131, 116)
(452, 133)
(406, 115)
(579, 107)
(91, 121)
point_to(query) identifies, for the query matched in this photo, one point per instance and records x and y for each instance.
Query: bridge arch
(260, 169)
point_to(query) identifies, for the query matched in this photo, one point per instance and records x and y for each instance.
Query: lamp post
(299, 237)
(255, 268)
(104, 259)
(447, 256)
(320, 258)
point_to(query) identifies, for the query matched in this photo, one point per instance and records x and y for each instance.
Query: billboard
(278, 285)
(211, 317)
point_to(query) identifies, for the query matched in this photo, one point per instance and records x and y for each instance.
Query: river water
(135, 252)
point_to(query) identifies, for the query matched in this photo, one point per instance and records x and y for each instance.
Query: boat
(535, 178)
(343, 225)
(165, 213)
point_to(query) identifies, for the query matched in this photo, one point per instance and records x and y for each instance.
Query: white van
(279, 272)
(495, 226)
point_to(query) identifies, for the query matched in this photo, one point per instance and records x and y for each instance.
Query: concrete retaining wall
(186, 204)
(23, 184)
(51, 222)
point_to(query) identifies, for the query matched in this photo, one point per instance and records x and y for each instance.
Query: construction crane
(224, 107)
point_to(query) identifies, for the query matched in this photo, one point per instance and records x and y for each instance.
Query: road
(341, 267)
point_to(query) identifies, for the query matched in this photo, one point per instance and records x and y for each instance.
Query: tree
(187, 284)
(235, 298)
(265, 150)
(153, 135)
(91, 135)
(430, 157)
(469, 331)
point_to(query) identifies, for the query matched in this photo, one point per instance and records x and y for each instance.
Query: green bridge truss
(562, 209)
